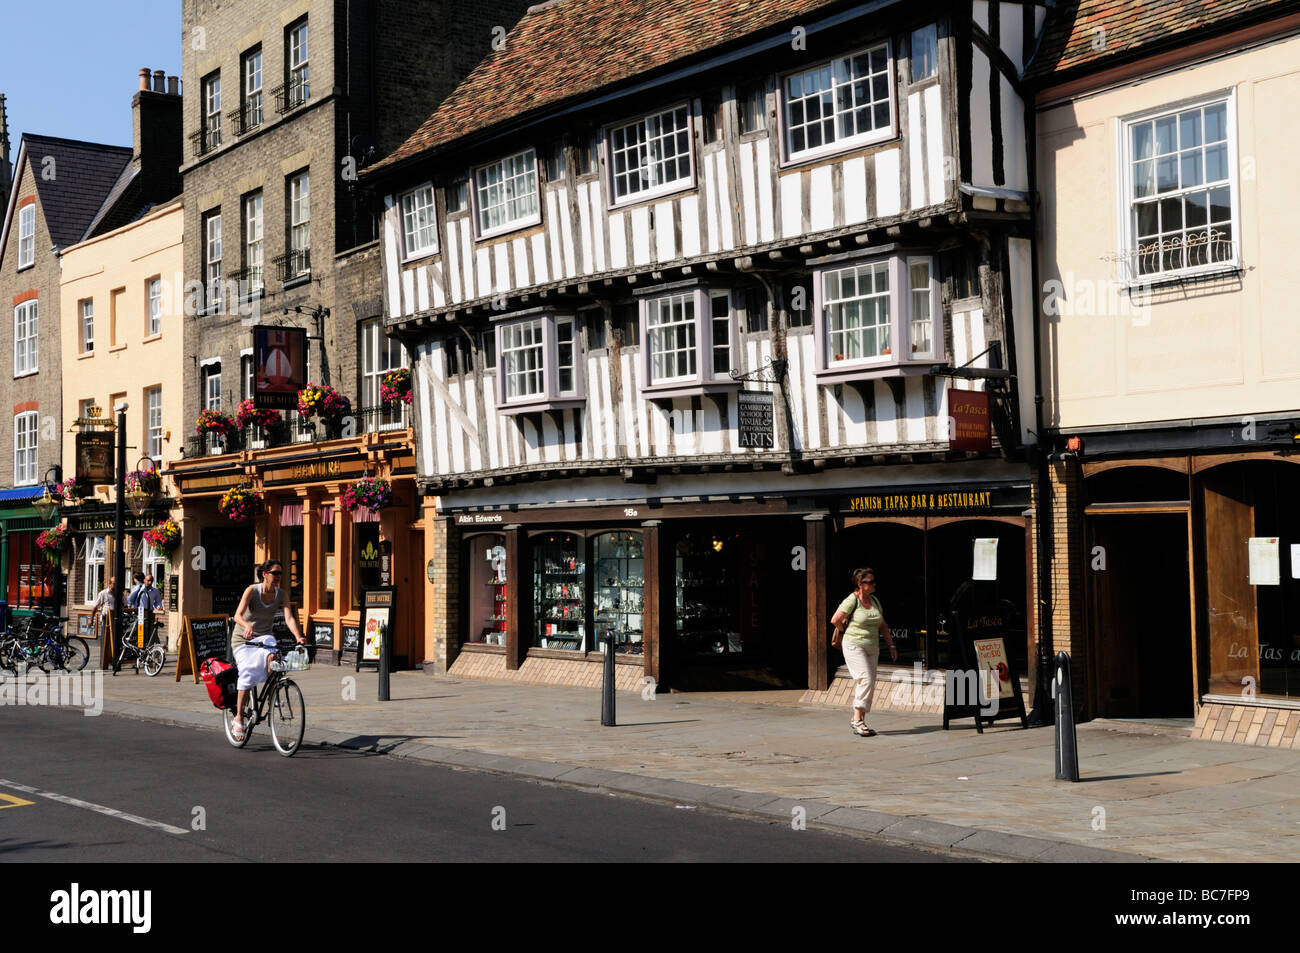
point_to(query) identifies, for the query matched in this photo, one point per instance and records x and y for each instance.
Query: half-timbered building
(691, 291)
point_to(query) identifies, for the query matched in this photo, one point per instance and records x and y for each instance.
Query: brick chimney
(157, 126)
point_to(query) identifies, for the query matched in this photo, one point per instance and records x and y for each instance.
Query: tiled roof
(567, 49)
(83, 174)
(1073, 38)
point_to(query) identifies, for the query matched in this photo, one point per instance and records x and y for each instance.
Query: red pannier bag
(220, 678)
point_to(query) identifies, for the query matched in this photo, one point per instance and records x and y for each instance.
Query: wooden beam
(815, 573)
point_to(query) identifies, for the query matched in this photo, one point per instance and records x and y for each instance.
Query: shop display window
(487, 590)
(30, 576)
(619, 590)
(331, 566)
(708, 594)
(291, 542)
(559, 593)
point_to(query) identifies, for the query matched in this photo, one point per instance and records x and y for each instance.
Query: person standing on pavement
(253, 641)
(860, 623)
(103, 607)
(145, 600)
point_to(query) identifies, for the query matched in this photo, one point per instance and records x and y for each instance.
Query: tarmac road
(191, 797)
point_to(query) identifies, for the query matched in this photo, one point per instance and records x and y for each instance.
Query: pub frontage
(731, 591)
(298, 507)
(26, 578)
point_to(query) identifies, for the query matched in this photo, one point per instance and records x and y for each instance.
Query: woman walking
(253, 641)
(860, 622)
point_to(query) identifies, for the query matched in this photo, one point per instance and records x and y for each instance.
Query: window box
(878, 316)
(1181, 215)
(540, 362)
(419, 226)
(838, 105)
(689, 340)
(505, 195)
(652, 156)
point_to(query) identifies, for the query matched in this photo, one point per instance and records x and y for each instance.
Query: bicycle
(279, 700)
(61, 651)
(153, 655)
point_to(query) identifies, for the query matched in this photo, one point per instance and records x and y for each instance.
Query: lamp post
(119, 533)
(48, 508)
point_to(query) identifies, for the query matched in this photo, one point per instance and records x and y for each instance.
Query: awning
(22, 493)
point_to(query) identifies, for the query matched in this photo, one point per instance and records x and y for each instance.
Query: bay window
(1181, 203)
(840, 104)
(505, 194)
(688, 340)
(540, 362)
(652, 155)
(878, 316)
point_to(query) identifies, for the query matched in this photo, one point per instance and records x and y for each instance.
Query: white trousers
(862, 662)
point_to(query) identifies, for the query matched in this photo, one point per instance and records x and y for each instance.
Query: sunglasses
(276, 572)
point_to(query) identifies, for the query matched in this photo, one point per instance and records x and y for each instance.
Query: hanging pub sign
(757, 431)
(95, 458)
(969, 426)
(376, 624)
(280, 367)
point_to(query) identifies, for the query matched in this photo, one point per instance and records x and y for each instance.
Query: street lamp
(48, 508)
(146, 489)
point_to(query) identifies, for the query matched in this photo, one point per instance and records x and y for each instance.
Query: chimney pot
(144, 77)
(159, 81)
(173, 85)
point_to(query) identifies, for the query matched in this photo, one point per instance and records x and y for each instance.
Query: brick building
(284, 103)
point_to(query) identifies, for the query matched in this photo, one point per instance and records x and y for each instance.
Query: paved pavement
(1147, 792)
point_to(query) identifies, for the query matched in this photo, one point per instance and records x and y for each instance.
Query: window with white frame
(96, 548)
(27, 235)
(26, 338)
(253, 247)
(877, 315)
(153, 423)
(154, 563)
(671, 338)
(253, 113)
(840, 104)
(856, 305)
(689, 338)
(379, 355)
(299, 224)
(299, 68)
(505, 194)
(211, 112)
(154, 295)
(523, 359)
(26, 434)
(1181, 214)
(651, 155)
(925, 53)
(539, 363)
(210, 397)
(418, 228)
(87, 326)
(212, 260)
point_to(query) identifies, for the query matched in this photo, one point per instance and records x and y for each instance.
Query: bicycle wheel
(229, 717)
(76, 653)
(50, 659)
(288, 718)
(154, 660)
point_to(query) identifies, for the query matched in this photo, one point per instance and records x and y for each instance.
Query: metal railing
(247, 117)
(294, 264)
(297, 430)
(205, 140)
(291, 95)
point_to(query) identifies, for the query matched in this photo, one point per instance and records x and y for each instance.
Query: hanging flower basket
(143, 481)
(246, 415)
(395, 387)
(72, 492)
(166, 536)
(239, 504)
(322, 400)
(53, 542)
(371, 492)
(214, 421)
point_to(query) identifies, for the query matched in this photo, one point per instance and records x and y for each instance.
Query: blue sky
(78, 64)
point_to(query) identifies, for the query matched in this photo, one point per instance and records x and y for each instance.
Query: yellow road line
(13, 801)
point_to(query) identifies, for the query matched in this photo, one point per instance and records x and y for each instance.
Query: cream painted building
(1170, 351)
(122, 333)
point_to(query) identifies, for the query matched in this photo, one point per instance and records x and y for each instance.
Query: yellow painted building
(122, 329)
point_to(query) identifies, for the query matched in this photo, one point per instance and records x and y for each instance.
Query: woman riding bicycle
(254, 645)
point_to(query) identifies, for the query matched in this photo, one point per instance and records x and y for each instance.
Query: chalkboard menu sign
(321, 634)
(351, 638)
(283, 637)
(202, 637)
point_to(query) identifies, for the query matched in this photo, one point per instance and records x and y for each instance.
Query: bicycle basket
(292, 661)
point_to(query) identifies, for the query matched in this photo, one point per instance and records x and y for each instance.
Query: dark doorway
(1140, 615)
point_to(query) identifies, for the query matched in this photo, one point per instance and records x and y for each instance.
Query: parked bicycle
(152, 657)
(41, 641)
(279, 700)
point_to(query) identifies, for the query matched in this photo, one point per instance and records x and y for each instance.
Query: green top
(864, 621)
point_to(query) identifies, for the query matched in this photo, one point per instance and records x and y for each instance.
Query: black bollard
(607, 692)
(1067, 744)
(385, 662)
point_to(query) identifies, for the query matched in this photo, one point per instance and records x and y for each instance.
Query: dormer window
(540, 366)
(841, 104)
(879, 316)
